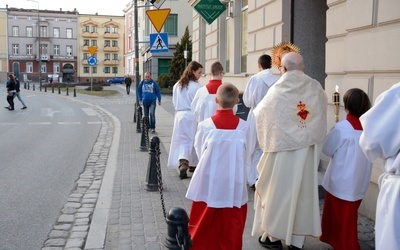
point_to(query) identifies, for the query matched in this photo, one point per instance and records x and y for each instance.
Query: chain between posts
(159, 177)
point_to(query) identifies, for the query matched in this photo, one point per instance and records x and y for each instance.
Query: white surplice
(203, 105)
(381, 139)
(256, 89)
(349, 172)
(185, 126)
(220, 176)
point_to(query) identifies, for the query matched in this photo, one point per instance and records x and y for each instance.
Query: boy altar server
(218, 186)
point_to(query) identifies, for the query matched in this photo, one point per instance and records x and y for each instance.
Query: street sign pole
(135, 7)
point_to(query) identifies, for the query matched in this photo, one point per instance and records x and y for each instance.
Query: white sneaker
(153, 131)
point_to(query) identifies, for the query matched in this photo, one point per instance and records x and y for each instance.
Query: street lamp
(39, 48)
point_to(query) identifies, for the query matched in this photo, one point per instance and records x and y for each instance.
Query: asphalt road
(43, 150)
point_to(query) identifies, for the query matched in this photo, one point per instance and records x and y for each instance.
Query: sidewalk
(136, 219)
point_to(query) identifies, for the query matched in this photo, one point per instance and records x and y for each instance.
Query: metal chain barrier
(159, 177)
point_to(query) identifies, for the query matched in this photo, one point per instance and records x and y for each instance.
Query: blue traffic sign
(92, 60)
(159, 42)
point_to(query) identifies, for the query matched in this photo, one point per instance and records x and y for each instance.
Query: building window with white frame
(114, 30)
(29, 49)
(107, 70)
(85, 56)
(86, 70)
(171, 25)
(44, 68)
(243, 62)
(56, 32)
(94, 70)
(85, 42)
(94, 29)
(56, 50)
(94, 42)
(15, 30)
(115, 43)
(15, 49)
(43, 31)
(29, 31)
(69, 50)
(56, 67)
(29, 67)
(115, 70)
(107, 29)
(86, 29)
(107, 57)
(115, 56)
(107, 43)
(69, 33)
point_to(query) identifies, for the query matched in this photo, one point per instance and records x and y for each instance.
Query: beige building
(105, 34)
(3, 45)
(345, 43)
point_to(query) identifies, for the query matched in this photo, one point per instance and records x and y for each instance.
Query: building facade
(44, 40)
(3, 45)
(157, 63)
(345, 43)
(106, 35)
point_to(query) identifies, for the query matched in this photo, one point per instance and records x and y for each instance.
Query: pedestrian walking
(381, 139)
(11, 86)
(148, 92)
(255, 90)
(348, 175)
(181, 152)
(291, 123)
(218, 186)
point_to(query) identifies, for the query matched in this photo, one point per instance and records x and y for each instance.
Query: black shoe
(253, 187)
(24, 107)
(7, 107)
(192, 169)
(10, 109)
(276, 245)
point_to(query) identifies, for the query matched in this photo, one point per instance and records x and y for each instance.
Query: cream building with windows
(106, 34)
(348, 43)
(3, 45)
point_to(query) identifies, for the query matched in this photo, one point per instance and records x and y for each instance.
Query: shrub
(164, 81)
(95, 88)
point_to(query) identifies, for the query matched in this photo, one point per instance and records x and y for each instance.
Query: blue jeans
(150, 106)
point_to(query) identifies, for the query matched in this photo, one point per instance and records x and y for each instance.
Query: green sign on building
(210, 9)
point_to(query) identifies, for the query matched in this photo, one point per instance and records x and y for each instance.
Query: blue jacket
(148, 91)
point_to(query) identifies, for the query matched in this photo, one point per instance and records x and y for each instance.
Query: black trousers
(10, 100)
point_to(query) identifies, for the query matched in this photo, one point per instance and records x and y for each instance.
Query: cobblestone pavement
(111, 209)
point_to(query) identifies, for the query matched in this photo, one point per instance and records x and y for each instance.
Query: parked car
(116, 80)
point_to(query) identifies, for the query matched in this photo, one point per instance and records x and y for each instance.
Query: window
(29, 48)
(15, 49)
(29, 67)
(115, 70)
(115, 43)
(171, 25)
(56, 19)
(86, 42)
(56, 67)
(15, 31)
(44, 68)
(94, 29)
(86, 29)
(86, 70)
(115, 57)
(29, 31)
(69, 33)
(94, 42)
(244, 36)
(114, 30)
(56, 50)
(56, 32)
(85, 56)
(44, 49)
(107, 70)
(107, 29)
(94, 70)
(163, 66)
(106, 43)
(43, 31)
(106, 56)
(69, 50)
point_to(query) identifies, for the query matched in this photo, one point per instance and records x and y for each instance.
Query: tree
(178, 61)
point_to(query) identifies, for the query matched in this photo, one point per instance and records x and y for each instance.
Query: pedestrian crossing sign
(159, 42)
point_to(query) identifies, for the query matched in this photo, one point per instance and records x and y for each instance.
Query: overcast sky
(102, 7)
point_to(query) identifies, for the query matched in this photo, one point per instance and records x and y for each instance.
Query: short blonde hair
(227, 95)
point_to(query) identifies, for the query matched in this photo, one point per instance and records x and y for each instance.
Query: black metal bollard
(33, 87)
(28, 85)
(59, 90)
(144, 141)
(74, 92)
(154, 159)
(40, 85)
(134, 113)
(139, 114)
(24, 85)
(178, 236)
(52, 89)
(67, 91)
(45, 88)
